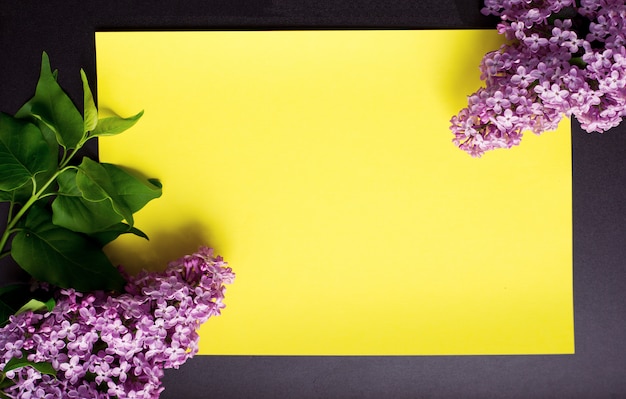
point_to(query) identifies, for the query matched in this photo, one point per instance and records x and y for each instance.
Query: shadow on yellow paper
(320, 165)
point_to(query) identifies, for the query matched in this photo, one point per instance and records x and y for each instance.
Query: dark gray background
(65, 29)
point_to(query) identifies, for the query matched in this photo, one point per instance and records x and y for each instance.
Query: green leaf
(578, 61)
(62, 257)
(54, 108)
(114, 125)
(90, 111)
(126, 193)
(22, 194)
(49, 304)
(97, 204)
(112, 232)
(24, 152)
(42, 367)
(36, 305)
(96, 185)
(32, 305)
(136, 192)
(72, 211)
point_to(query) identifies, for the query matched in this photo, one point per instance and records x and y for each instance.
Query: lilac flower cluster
(562, 58)
(104, 346)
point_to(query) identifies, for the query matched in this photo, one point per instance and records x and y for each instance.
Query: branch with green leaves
(63, 210)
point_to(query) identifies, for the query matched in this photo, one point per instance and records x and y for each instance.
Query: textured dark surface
(65, 29)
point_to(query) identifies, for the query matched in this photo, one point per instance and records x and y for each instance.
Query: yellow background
(320, 165)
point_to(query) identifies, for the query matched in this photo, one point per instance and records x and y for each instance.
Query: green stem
(10, 215)
(34, 198)
(12, 220)
(65, 158)
(38, 194)
(68, 155)
(9, 229)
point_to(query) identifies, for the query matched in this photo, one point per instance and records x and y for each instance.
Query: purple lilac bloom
(563, 58)
(116, 346)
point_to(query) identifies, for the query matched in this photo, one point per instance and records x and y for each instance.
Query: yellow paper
(320, 165)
